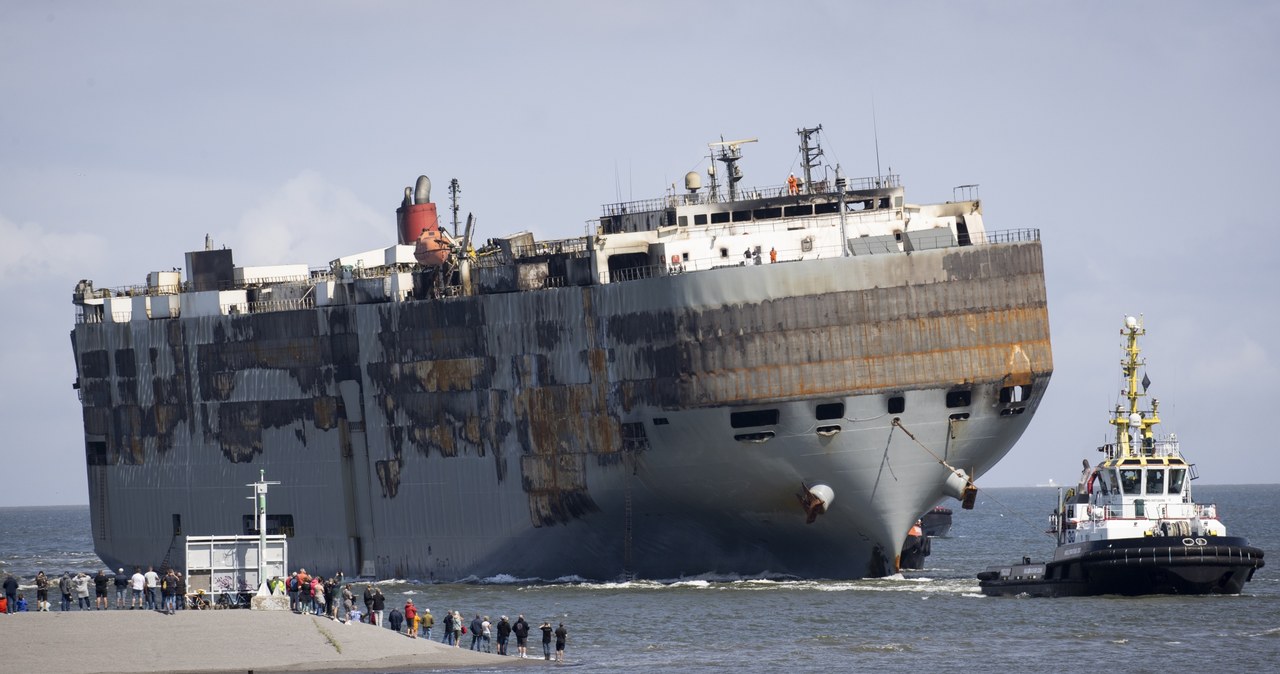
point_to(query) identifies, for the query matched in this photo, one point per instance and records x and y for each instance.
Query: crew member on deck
(793, 185)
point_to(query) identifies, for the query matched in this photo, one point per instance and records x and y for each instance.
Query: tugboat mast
(1134, 421)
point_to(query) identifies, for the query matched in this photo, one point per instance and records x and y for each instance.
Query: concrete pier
(207, 642)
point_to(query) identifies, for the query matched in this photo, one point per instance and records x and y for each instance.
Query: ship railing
(559, 246)
(1159, 510)
(632, 273)
(768, 192)
(1180, 511)
(264, 306)
(1005, 236)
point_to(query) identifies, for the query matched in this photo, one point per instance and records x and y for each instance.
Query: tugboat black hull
(1131, 567)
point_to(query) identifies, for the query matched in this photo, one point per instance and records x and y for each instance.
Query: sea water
(929, 620)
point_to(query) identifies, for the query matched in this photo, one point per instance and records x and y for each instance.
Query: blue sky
(1139, 137)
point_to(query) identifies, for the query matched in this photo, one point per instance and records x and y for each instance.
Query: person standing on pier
(101, 589)
(521, 630)
(379, 605)
(11, 592)
(504, 633)
(428, 621)
(411, 619)
(139, 584)
(122, 588)
(42, 592)
(81, 582)
(448, 630)
(67, 589)
(153, 582)
(546, 640)
(562, 635)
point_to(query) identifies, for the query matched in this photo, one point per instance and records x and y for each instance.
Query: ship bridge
(757, 205)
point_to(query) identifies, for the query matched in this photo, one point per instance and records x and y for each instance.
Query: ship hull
(1133, 567)
(655, 428)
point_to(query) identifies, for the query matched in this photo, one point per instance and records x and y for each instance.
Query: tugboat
(937, 522)
(915, 548)
(1130, 527)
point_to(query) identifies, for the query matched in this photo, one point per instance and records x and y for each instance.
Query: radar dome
(1130, 322)
(692, 181)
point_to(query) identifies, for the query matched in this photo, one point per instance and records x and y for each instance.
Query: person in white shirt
(137, 583)
(153, 582)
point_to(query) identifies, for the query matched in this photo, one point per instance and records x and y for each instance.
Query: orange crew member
(793, 185)
(773, 255)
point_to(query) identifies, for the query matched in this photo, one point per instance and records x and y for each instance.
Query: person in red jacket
(411, 618)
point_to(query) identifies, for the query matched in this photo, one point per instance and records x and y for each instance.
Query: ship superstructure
(757, 381)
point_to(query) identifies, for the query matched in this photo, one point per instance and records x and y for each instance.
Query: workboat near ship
(937, 522)
(1131, 527)
(767, 382)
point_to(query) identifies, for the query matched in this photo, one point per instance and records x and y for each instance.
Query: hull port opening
(828, 431)
(763, 436)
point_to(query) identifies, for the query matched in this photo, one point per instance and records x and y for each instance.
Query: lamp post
(260, 495)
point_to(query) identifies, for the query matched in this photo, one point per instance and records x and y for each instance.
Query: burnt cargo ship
(762, 382)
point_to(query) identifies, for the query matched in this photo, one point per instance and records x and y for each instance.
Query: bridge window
(700, 219)
(741, 216)
(719, 218)
(1176, 476)
(1131, 480)
(1110, 477)
(1155, 480)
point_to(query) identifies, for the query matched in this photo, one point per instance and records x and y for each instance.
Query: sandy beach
(84, 642)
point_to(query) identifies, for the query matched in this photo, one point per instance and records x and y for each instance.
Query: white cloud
(31, 253)
(309, 220)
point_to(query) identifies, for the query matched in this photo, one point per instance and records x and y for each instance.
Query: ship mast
(1134, 422)
(729, 153)
(811, 154)
(454, 191)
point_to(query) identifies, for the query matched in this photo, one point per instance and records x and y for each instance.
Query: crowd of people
(330, 597)
(102, 591)
(339, 600)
